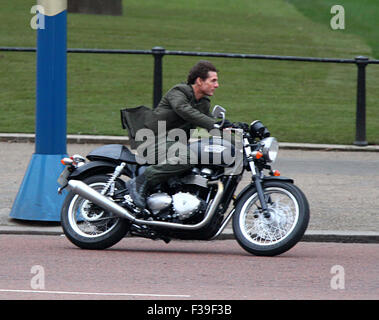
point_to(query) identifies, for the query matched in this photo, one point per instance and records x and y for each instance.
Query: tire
(289, 217)
(87, 225)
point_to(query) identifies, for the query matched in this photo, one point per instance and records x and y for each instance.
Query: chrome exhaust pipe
(92, 195)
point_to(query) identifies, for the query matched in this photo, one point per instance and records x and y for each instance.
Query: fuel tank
(213, 151)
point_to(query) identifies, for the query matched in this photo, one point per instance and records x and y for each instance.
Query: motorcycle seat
(114, 153)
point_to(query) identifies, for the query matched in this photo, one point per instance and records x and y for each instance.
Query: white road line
(97, 293)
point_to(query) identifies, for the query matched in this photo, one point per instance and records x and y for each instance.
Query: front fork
(261, 196)
(257, 180)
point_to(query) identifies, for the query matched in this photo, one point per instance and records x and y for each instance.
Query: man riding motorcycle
(185, 106)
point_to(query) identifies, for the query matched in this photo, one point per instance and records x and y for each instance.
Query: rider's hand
(226, 124)
(241, 125)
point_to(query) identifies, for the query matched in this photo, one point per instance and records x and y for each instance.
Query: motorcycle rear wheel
(88, 226)
(289, 217)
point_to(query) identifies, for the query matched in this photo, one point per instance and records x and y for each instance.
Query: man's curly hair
(201, 70)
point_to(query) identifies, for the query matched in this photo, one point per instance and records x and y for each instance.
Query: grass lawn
(298, 101)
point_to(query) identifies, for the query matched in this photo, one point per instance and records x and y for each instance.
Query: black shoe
(137, 190)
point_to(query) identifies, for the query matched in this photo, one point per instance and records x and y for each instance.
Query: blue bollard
(37, 198)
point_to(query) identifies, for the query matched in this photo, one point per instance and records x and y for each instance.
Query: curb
(309, 236)
(97, 139)
(341, 236)
(327, 147)
(26, 230)
(326, 236)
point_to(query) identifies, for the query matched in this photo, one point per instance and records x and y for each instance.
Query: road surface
(50, 267)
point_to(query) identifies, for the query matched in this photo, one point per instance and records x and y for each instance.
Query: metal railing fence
(158, 53)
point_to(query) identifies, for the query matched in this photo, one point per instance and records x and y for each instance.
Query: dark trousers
(171, 159)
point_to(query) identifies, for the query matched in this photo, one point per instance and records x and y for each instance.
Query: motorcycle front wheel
(288, 219)
(87, 225)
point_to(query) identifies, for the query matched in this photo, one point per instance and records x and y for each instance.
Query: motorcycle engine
(184, 204)
(158, 201)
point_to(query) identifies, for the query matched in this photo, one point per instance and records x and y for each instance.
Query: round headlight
(270, 148)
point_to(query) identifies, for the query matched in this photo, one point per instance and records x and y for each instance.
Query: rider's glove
(226, 124)
(241, 125)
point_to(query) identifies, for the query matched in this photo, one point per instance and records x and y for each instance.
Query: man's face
(209, 85)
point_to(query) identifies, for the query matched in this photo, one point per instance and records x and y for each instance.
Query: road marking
(97, 293)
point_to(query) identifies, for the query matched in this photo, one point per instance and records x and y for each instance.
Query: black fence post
(158, 53)
(360, 133)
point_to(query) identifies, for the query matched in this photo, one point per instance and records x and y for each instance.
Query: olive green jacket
(180, 109)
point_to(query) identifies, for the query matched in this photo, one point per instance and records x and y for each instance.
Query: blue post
(37, 198)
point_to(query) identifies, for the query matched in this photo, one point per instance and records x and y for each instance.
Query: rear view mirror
(218, 111)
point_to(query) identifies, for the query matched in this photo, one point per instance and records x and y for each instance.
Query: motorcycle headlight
(270, 148)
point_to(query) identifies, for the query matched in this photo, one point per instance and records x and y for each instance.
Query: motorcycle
(269, 216)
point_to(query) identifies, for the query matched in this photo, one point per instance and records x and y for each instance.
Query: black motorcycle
(270, 215)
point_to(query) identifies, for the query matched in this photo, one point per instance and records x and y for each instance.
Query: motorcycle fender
(96, 167)
(273, 178)
(265, 179)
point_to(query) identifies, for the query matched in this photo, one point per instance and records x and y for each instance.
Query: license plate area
(62, 180)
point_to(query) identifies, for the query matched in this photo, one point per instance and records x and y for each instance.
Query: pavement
(341, 183)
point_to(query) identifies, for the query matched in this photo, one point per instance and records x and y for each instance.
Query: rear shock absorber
(112, 179)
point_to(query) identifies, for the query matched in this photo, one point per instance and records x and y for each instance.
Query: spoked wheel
(87, 225)
(288, 219)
